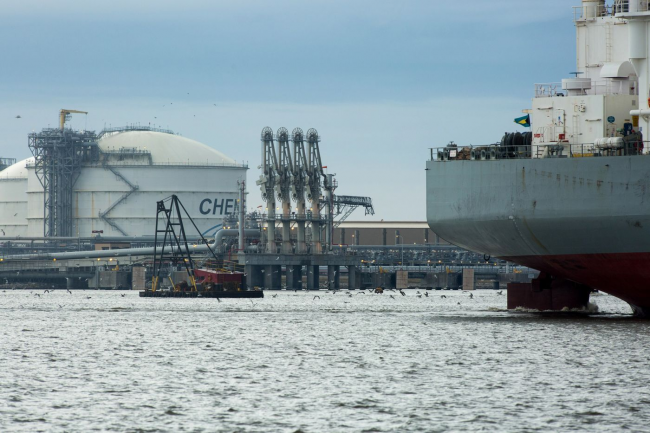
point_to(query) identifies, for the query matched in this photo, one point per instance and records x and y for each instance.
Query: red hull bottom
(625, 275)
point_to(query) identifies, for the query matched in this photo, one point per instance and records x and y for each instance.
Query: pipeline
(248, 233)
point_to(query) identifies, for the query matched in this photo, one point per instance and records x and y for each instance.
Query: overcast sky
(381, 81)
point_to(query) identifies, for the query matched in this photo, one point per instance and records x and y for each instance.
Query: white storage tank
(136, 168)
(13, 199)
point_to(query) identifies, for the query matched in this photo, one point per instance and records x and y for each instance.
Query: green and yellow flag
(523, 120)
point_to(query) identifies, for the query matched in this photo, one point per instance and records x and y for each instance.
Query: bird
(393, 297)
(426, 294)
(249, 300)
(123, 294)
(3, 232)
(274, 296)
(361, 293)
(69, 291)
(459, 303)
(88, 297)
(402, 293)
(417, 293)
(18, 116)
(60, 306)
(471, 296)
(316, 297)
(277, 258)
(500, 292)
(443, 296)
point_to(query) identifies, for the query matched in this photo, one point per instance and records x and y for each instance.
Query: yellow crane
(65, 115)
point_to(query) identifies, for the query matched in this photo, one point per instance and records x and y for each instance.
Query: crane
(65, 115)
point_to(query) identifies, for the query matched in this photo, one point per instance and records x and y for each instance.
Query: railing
(164, 164)
(547, 90)
(547, 150)
(293, 217)
(126, 151)
(134, 128)
(501, 269)
(605, 87)
(589, 12)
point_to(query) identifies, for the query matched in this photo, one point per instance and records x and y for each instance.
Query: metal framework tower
(284, 169)
(58, 157)
(299, 183)
(315, 172)
(267, 183)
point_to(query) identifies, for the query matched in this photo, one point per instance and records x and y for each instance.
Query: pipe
(642, 112)
(248, 233)
(123, 252)
(147, 238)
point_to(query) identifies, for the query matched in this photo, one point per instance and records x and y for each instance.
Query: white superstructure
(118, 193)
(600, 104)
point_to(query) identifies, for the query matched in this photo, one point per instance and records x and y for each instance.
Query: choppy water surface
(102, 361)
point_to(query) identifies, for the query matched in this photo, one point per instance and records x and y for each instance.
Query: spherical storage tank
(118, 193)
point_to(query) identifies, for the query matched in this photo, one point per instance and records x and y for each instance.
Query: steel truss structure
(58, 157)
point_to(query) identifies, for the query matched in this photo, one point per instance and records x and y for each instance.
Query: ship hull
(583, 219)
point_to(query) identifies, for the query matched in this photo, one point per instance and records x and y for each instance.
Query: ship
(571, 196)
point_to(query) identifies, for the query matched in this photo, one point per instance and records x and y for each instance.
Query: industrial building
(109, 183)
(386, 233)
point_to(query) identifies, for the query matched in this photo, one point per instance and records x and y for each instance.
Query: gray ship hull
(583, 219)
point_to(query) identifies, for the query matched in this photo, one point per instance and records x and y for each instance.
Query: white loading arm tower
(284, 172)
(315, 172)
(299, 184)
(267, 183)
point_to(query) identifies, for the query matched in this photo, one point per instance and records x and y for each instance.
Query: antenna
(576, 74)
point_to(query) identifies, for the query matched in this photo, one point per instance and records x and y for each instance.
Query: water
(298, 363)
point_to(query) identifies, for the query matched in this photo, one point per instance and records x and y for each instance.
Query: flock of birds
(418, 294)
(349, 294)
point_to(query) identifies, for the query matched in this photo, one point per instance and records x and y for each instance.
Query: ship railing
(591, 12)
(603, 87)
(560, 149)
(547, 90)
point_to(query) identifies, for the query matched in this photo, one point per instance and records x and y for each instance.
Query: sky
(382, 82)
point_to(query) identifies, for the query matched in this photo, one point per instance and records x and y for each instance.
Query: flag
(523, 120)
